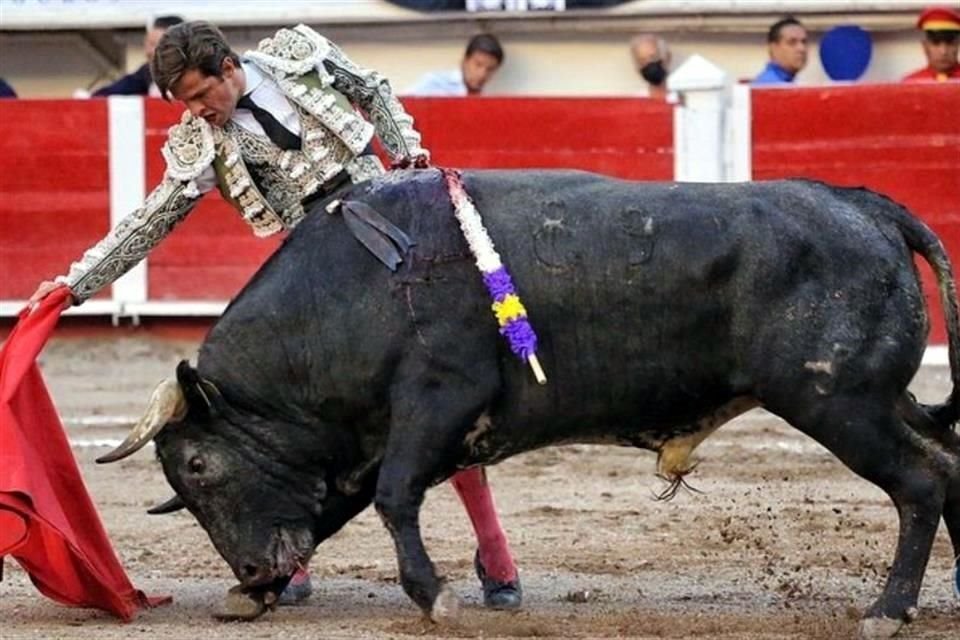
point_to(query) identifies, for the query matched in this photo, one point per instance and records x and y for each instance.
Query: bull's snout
(262, 585)
(264, 577)
(257, 576)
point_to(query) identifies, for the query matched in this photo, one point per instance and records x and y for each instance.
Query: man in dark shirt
(139, 82)
(6, 91)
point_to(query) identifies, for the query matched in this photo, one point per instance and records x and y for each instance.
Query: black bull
(663, 310)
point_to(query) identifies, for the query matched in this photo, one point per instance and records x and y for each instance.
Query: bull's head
(265, 490)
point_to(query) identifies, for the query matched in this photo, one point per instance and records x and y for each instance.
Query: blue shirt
(773, 74)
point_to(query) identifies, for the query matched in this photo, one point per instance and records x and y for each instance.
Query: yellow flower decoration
(510, 309)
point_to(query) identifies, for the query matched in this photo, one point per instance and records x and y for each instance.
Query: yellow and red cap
(939, 19)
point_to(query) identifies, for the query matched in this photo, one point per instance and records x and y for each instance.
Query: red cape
(48, 522)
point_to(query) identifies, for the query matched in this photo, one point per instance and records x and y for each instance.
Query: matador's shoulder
(293, 51)
(190, 147)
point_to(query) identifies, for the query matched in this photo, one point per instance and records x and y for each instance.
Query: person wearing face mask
(787, 46)
(651, 58)
(481, 61)
(941, 44)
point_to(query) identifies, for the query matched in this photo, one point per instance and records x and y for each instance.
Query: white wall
(53, 64)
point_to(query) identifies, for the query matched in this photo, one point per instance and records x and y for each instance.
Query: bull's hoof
(446, 608)
(240, 606)
(878, 628)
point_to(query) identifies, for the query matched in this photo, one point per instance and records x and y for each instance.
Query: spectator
(140, 82)
(6, 91)
(651, 58)
(787, 44)
(482, 59)
(941, 43)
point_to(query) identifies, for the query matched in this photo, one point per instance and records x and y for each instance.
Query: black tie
(279, 134)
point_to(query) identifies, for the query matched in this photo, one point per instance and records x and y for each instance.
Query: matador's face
(213, 98)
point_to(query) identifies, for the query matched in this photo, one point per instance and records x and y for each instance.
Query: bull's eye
(196, 464)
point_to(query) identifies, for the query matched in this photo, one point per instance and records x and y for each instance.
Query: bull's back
(673, 298)
(660, 297)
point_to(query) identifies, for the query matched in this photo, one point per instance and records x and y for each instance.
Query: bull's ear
(199, 402)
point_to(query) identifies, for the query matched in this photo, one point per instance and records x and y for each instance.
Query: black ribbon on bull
(385, 240)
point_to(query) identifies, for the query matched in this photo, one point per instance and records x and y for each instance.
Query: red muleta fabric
(48, 522)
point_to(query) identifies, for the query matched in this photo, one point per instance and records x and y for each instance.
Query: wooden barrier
(55, 186)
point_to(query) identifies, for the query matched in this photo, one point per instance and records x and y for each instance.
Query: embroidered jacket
(321, 83)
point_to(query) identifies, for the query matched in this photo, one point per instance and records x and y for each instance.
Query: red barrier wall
(901, 140)
(54, 198)
(623, 137)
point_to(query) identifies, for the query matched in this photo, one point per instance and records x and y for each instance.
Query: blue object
(845, 52)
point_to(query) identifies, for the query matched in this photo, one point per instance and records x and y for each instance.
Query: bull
(663, 311)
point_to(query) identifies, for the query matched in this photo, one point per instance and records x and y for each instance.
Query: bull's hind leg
(921, 418)
(951, 514)
(869, 438)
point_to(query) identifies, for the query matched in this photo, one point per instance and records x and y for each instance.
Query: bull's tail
(923, 241)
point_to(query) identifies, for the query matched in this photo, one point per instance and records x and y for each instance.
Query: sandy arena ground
(784, 542)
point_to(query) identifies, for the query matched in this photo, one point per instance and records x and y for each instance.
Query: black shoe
(298, 590)
(496, 594)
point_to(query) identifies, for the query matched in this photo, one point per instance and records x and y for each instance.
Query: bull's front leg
(428, 422)
(398, 499)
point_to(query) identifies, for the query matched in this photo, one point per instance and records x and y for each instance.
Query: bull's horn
(167, 403)
(173, 504)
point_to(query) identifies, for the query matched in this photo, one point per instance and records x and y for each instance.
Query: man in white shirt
(482, 59)
(276, 132)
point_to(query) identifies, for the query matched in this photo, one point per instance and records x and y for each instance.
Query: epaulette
(190, 148)
(293, 51)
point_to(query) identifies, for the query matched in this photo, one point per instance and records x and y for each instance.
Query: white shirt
(267, 95)
(439, 83)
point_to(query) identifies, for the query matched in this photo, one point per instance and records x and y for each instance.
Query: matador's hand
(419, 161)
(44, 290)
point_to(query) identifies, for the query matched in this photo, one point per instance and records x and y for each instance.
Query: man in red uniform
(941, 28)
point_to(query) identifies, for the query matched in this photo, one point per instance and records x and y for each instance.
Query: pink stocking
(471, 485)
